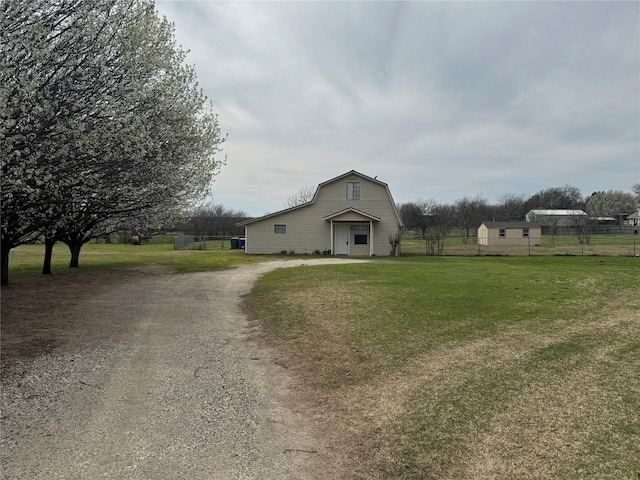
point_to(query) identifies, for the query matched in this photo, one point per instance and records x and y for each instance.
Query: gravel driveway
(176, 389)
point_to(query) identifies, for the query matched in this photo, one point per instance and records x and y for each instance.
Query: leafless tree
(304, 195)
(213, 220)
(441, 222)
(415, 215)
(583, 227)
(511, 206)
(394, 241)
(636, 192)
(566, 197)
(470, 212)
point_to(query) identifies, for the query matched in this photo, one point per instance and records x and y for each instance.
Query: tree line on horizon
(438, 219)
(469, 212)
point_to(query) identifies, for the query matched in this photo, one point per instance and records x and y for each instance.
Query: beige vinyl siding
(359, 250)
(302, 235)
(513, 236)
(307, 231)
(374, 200)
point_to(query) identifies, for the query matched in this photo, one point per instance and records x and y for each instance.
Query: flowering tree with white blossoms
(102, 121)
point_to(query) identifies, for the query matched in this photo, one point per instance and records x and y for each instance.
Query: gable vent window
(353, 190)
(280, 229)
(360, 233)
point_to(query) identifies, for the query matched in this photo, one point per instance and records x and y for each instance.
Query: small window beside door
(360, 233)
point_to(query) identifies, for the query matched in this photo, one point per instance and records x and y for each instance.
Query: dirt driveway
(147, 376)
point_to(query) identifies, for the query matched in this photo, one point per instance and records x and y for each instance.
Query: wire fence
(602, 244)
(593, 229)
(615, 244)
(196, 242)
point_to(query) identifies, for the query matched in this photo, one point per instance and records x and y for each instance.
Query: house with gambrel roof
(352, 215)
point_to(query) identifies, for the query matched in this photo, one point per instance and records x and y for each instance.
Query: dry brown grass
(544, 430)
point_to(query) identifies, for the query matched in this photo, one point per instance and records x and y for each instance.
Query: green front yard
(443, 367)
(484, 367)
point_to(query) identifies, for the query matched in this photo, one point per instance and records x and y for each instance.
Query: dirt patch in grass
(321, 345)
(46, 322)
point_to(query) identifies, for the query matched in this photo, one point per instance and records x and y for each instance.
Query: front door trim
(341, 238)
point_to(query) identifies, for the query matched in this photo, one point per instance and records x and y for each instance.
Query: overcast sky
(437, 99)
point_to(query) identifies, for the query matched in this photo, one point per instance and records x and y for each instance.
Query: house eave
(365, 215)
(269, 215)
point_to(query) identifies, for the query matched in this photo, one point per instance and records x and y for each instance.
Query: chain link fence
(196, 242)
(615, 244)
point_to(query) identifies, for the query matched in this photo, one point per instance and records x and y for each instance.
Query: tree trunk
(48, 254)
(5, 263)
(74, 248)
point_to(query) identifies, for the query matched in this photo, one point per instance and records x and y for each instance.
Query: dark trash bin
(242, 241)
(235, 243)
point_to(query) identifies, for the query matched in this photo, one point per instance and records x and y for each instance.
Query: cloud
(439, 99)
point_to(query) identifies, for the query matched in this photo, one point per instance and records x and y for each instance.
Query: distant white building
(555, 218)
(632, 220)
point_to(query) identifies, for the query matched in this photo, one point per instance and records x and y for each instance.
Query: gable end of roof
(315, 196)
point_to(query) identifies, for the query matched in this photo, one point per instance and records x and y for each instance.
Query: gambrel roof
(315, 196)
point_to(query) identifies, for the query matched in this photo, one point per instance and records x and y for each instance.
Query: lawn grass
(26, 260)
(444, 367)
(481, 367)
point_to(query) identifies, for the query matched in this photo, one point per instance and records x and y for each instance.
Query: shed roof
(508, 225)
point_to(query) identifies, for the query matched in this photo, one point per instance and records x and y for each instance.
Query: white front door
(341, 238)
